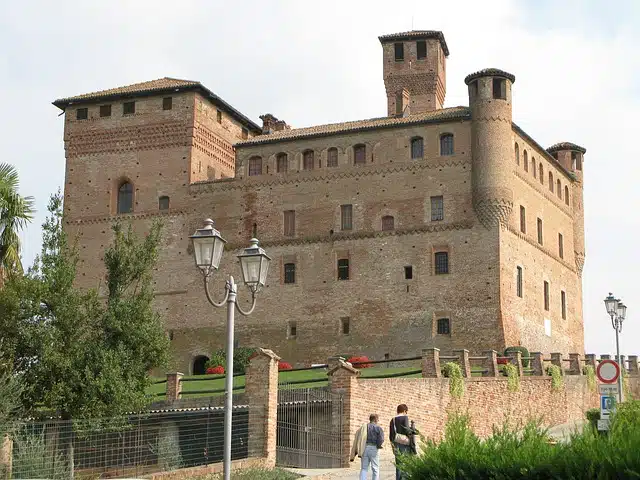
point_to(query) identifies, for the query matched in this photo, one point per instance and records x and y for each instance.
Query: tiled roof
(165, 84)
(416, 35)
(566, 146)
(489, 72)
(435, 116)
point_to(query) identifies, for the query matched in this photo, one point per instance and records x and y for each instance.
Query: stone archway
(199, 366)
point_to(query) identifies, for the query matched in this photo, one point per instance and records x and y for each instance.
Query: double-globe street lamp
(208, 246)
(617, 311)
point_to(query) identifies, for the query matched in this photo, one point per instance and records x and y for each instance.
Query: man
(401, 435)
(366, 444)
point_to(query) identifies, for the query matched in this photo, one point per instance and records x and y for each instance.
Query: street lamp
(617, 311)
(208, 246)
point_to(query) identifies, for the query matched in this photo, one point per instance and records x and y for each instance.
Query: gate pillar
(261, 391)
(342, 383)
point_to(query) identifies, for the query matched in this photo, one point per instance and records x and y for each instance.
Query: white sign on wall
(547, 327)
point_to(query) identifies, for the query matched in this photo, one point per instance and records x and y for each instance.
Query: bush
(524, 352)
(361, 360)
(593, 415)
(219, 370)
(241, 358)
(217, 359)
(284, 366)
(453, 372)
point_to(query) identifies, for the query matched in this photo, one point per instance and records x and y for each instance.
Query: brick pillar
(537, 364)
(590, 359)
(463, 361)
(491, 363)
(633, 365)
(261, 392)
(556, 359)
(575, 364)
(431, 363)
(6, 457)
(174, 386)
(516, 359)
(623, 364)
(342, 384)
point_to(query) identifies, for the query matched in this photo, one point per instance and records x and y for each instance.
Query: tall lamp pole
(208, 246)
(617, 311)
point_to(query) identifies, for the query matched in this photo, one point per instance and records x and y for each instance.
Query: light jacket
(359, 442)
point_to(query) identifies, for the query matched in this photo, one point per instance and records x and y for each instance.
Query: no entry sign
(608, 371)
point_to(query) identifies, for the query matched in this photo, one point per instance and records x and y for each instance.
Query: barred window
(125, 198)
(82, 114)
(417, 148)
(332, 157)
(387, 223)
(282, 163)
(359, 155)
(441, 260)
(345, 324)
(255, 166)
(289, 273)
(444, 326)
(343, 269)
(446, 144)
(289, 223)
(398, 49)
(128, 108)
(163, 203)
(307, 160)
(346, 217)
(437, 208)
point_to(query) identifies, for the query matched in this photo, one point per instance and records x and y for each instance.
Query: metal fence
(126, 446)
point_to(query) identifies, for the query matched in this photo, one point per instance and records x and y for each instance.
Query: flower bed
(360, 362)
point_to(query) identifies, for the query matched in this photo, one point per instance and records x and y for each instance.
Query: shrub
(284, 366)
(360, 361)
(593, 415)
(217, 359)
(590, 373)
(241, 358)
(219, 370)
(522, 350)
(556, 377)
(453, 372)
(513, 379)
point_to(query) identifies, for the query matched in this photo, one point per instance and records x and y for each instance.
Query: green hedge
(524, 351)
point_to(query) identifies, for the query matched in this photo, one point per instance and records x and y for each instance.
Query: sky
(575, 62)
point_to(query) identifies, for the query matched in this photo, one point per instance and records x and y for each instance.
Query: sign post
(607, 372)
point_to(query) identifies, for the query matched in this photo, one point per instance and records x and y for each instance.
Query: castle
(429, 227)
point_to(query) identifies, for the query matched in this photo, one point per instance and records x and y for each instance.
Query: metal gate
(309, 428)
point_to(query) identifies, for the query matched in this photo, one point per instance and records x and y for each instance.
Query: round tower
(571, 157)
(492, 144)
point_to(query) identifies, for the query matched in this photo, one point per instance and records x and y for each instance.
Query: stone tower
(492, 140)
(414, 71)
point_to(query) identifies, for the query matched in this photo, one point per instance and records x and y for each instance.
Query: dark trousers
(398, 451)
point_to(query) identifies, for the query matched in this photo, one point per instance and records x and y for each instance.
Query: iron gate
(309, 428)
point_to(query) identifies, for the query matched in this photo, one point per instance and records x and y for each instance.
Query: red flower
(360, 362)
(219, 370)
(284, 366)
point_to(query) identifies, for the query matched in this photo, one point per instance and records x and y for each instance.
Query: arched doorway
(199, 365)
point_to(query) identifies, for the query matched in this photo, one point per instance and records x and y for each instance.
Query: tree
(15, 212)
(83, 355)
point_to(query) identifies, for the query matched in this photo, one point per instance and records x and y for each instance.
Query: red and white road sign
(608, 371)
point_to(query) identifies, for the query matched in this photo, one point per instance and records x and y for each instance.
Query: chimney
(271, 124)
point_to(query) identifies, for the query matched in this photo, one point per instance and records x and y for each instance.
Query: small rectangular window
(308, 160)
(345, 325)
(105, 110)
(499, 89)
(289, 223)
(388, 223)
(167, 103)
(563, 300)
(346, 217)
(343, 269)
(359, 155)
(523, 219)
(546, 296)
(163, 203)
(519, 282)
(332, 157)
(540, 231)
(292, 330)
(128, 108)
(282, 163)
(444, 326)
(289, 273)
(82, 113)
(408, 272)
(441, 261)
(437, 208)
(421, 47)
(417, 148)
(398, 49)
(219, 116)
(560, 246)
(245, 133)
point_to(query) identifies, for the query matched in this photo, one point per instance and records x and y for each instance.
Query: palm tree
(15, 212)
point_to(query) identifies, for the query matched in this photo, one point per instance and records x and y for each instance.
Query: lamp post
(208, 246)
(617, 311)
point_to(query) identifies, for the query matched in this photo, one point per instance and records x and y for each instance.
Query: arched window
(163, 203)
(307, 160)
(125, 198)
(417, 148)
(566, 195)
(282, 163)
(359, 155)
(551, 182)
(518, 154)
(559, 189)
(533, 166)
(200, 365)
(332, 157)
(541, 172)
(387, 223)
(255, 166)
(525, 161)
(446, 144)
